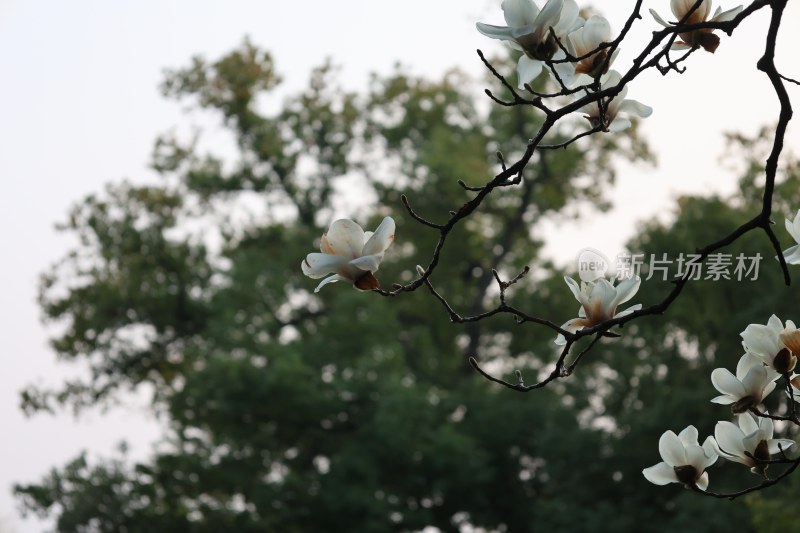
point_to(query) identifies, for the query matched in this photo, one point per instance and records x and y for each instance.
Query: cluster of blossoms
(770, 353)
(577, 52)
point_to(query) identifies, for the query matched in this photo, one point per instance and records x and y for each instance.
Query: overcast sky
(79, 107)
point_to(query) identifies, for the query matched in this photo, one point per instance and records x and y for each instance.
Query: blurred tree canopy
(345, 411)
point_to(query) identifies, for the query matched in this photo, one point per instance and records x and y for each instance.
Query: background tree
(343, 411)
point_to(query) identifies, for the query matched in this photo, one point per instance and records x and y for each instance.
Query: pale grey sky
(79, 107)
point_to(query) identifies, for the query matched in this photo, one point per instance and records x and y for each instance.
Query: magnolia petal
(575, 288)
(775, 323)
(346, 238)
(519, 12)
(755, 381)
(603, 294)
(689, 436)
(711, 450)
(680, 7)
(566, 73)
(576, 324)
(619, 124)
(725, 399)
(793, 227)
(671, 449)
(730, 439)
(494, 32)
(567, 18)
(527, 70)
(368, 263)
(792, 255)
(658, 18)
(761, 339)
(748, 424)
(766, 426)
(317, 265)
(635, 108)
(626, 289)
(660, 474)
(381, 239)
(596, 30)
(746, 362)
(702, 481)
(696, 457)
(726, 383)
(331, 279)
(727, 15)
(628, 311)
(776, 445)
(680, 45)
(549, 16)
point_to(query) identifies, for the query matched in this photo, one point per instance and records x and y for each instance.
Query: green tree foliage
(345, 411)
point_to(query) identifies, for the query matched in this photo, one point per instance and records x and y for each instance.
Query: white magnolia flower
(792, 255)
(749, 443)
(612, 121)
(773, 343)
(751, 384)
(528, 31)
(704, 38)
(350, 254)
(685, 460)
(599, 300)
(594, 32)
